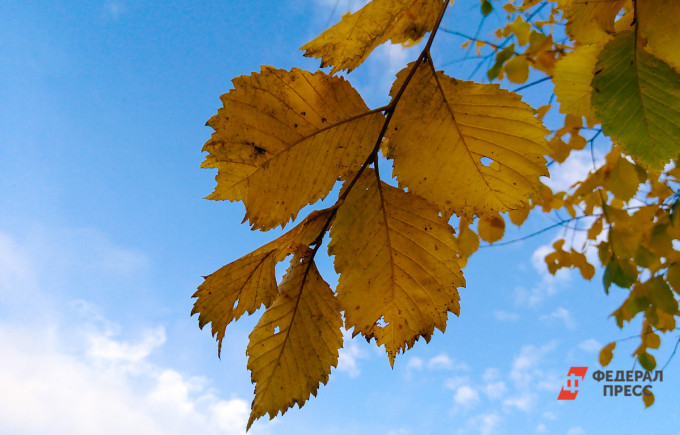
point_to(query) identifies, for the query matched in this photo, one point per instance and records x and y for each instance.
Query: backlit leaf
(659, 22)
(398, 264)
(296, 341)
(606, 354)
(491, 228)
(590, 21)
(478, 151)
(637, 98)
(246, 284)
(348, 43)
(572, 77)
(283, 138)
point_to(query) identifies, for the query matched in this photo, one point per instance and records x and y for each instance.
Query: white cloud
(495, 390)
(590, 345)
(70, 363)
(491, 374)
(456, 382)
(350, 354)
(525, 365)
(414, 363)
(578, 430)
(523, 401)
(541, 428)
(466, 396)
(483, 424)
(575, 168)
(444, 362)
(505, 316)
(109, 387)
(561, 315)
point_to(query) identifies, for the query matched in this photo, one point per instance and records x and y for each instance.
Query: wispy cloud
(350, 355)
(590, 345)
(561, 315)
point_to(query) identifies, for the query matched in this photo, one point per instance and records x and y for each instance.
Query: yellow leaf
(579, 260)
(446, 156)
(659, 21)
(590, 21)
(572, 76)
(518, 216)
(520, 29)
(541, 111)
(249, 282)
(491, 228)
(558, 149)
(468, 241)
(623, 180)
(398, 264)
(517, 69)
(606, 354)
(673, 277)
(296, 341)
(348, 43)
(648, 398)
(283, 138)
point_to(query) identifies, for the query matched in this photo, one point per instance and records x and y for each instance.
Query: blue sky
(104, 236)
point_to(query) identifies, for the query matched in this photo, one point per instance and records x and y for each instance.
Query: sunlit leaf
(398, 264)
(296, 341)
(637, 98)
(283, 138)
(479, 151)
(347, 44)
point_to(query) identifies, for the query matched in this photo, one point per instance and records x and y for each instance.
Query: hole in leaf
(486, 161)
(276, 330)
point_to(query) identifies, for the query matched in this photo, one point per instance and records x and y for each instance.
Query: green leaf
(637, 98)
(501, 57)
(487, 7)
(647, 361)
(623, 274)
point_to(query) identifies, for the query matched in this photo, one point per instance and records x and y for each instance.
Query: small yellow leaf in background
(283, 138)
(491, 228)
(517, 69)
(296, 341)
(446, 157)
(398, 265)
(518, 217)
(648, 398)
(606, 354)
(520, 29)
(348, 43)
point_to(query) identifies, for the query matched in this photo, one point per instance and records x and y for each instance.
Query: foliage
(476, 151)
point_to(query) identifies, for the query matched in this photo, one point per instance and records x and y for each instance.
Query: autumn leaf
(606, 354)
(479, 151)
(246, 284)
(296, 341)
(572, 78)
(658, 24)
(348, 43)
(397, 261)
(637, 98)
(491, 228)
(590, 21)
(283, 138)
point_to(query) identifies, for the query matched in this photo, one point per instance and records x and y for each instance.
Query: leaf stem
(389, 111)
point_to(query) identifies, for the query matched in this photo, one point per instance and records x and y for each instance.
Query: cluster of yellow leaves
(283, 139)
(620, 68)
